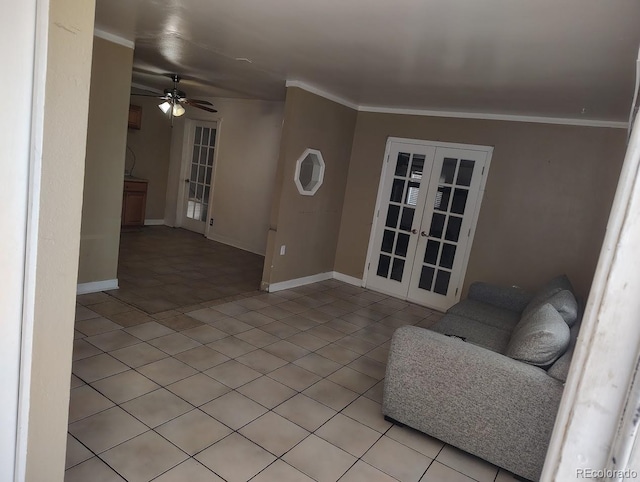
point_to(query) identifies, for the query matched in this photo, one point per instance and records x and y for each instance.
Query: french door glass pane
(431, 253)
(442, 282)
(397, 190)
(426, 278)
(448, 255)
(448, 171)
(453, 228)
(383, 265)
(465, 173)
(402, 164)
(398, 269)
(387, 241)
(459, 201)
(437, 225)
(407, 219)
(402, 245)
(392, 216)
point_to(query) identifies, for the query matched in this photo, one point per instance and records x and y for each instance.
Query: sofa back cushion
(560, 369)
(540, 338)
(562, 300)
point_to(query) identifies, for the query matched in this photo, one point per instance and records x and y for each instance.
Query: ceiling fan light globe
(165, 106)
(178, 110)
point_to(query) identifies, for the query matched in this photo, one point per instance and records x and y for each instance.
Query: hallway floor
(254, 386)
(162, 268)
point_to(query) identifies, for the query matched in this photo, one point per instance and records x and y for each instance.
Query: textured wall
(104, 166)
(547, 199)
(70, 40)
(151, 146)
(245, 170)
(309, 225)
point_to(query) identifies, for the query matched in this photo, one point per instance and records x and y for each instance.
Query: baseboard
(154, 222)
(95, 286)
(232, 242)
(294, 283)
(345, 278)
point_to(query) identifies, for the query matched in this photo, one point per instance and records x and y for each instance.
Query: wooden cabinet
(135, 116)
(134, 201)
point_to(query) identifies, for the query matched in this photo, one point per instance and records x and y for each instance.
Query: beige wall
(244, 174)
(151, 145)
(104, 168)
(308, 225)
(65, 123)
(547, 199)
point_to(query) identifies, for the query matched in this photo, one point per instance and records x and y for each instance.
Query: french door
(197, 169)
(427, 209)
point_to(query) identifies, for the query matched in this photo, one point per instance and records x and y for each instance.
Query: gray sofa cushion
(560, 369)
(540, 338)
(510, 298)
(563, 301)
(473, 331)
(486, 313)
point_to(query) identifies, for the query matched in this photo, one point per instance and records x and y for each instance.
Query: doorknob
(414, 231)
(186, 180)
(422, 233)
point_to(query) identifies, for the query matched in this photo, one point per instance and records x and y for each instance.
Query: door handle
(414, 231)
(423, 234)
(186, 180)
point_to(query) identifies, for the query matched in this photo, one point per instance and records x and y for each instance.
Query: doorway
(425, 218)
(197, 170)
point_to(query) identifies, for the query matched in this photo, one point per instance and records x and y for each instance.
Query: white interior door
(402, 200)
(428, 206)
(448, 220)
(197, 169)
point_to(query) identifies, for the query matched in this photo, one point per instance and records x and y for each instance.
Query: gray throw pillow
(540, 338)
(563, 301)
(560, 369)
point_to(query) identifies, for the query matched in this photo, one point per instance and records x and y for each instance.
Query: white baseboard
(154, 222)
(235, 243)
(95, 286)
(345, 278)
(294, 283)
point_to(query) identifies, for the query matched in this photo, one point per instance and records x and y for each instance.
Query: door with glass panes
(198, 174)
(428, 206)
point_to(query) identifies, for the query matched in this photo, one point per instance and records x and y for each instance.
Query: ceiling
(553, 58)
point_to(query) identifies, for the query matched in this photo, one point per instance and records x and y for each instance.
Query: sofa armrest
(506, 297)
(481, 401)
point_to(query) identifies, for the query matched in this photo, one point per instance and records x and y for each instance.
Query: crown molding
(322, 93)
(457, 115)
(498, 117)
(116, 39)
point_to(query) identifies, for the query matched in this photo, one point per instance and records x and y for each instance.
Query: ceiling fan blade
(189, 102)
(151, 95)
(197, 101)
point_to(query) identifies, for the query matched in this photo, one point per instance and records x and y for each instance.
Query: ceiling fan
(174, 99)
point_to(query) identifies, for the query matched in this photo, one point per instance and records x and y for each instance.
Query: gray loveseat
(488, 376)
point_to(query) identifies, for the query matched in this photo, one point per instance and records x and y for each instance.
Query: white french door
(428, 206)
(197, 170)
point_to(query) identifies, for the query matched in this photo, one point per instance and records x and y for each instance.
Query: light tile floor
(264, 387)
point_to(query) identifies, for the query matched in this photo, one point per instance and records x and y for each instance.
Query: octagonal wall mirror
(309, 172)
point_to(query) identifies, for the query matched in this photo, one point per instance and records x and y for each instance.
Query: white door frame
(379, 200)
(187, 136)
(24, 51)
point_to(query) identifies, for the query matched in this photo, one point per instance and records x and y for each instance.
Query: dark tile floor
(163, 268)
